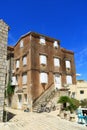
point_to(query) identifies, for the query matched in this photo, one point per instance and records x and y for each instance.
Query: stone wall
(3, 56)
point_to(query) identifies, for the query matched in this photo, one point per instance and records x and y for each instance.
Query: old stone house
(40, 63)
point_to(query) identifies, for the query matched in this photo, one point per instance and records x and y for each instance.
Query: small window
(68, 65)
(25, 98)
(13, 80)
(17, 64)
(42, 40)
(43, 77)
(17, 78)
(25, 60)
(43, 60)
(69, 79)
(24, 78)
(21, 44)
(73, 95)
(56, 62)
(81, 91)
(55, 44)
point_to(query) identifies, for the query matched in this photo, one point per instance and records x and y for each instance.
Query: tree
(75, 102)
(83, 103)
(71, 103)
(10, 92)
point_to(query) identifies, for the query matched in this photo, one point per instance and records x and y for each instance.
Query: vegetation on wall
(10, 89)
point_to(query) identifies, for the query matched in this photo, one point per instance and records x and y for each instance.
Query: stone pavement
(39, 121)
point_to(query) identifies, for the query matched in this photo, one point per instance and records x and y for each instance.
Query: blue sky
(65, 20)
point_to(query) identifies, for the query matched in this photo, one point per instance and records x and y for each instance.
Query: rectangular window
(55, 44)
(42, 40)
(68, 64)
(56, 62)
(73, 95)
(81, 91)
(21, 44)
(17, 64)
(43, 60)
(24, 78)
(25, 60)
(43, 77)
(25, 98)
(69, 79)
(13, 81)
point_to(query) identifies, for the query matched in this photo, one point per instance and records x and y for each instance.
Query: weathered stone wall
(3, 56)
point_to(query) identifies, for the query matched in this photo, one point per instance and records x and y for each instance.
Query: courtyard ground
(39, 121)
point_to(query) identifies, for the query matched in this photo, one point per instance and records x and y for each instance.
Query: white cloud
(81, 57)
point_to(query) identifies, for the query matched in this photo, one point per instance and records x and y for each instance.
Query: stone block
(3, 55)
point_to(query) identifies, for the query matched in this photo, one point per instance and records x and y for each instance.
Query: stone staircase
(44, 98)
(50, 96)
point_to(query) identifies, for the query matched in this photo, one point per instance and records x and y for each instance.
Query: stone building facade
(10, 70)
(78, 91)
(3, 55)
(39, 63)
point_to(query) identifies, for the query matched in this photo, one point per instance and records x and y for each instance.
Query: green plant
(83, 103)
(72, 103)
(75, 102)
(10, 89)
(64, 99)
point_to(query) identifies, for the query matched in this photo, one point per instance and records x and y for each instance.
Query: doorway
(19, 101)
(57, 81)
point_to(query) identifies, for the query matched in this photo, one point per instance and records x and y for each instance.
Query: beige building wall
(79, 91)
(29, 46)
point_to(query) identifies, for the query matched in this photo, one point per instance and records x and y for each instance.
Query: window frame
(24, 82)
(67, 81)
(25, 56)
(68, 64)
(81, 91)
(21, 44)
(25, 98)
(55, 44)
(17, 63)
(42, 58)
(42, 40)
(43, 77)
(56, 58)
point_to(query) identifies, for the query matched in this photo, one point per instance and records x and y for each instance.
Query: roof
(38, 35)
(11, 48)
(67, 51)
(35, 34)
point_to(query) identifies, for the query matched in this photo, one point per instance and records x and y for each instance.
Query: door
(19, 101)
(57, 81)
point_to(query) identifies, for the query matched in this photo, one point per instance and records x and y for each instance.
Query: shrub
(83, 103)
(73, 103)
(10, 89)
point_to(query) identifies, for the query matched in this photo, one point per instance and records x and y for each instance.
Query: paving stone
(42, 121)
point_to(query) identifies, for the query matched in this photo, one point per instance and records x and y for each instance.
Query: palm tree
(64, 100)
